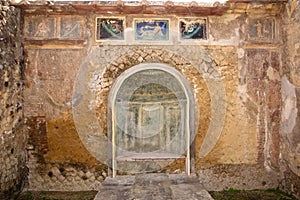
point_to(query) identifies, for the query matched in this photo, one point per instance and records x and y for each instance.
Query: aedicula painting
(109, 29)
(151, 29)
(192, 28)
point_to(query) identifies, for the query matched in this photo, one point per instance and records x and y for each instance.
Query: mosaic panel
(71, 27)
(192, 28)
(151, 29)
(261, 29)
(37, 27)
(109, 29)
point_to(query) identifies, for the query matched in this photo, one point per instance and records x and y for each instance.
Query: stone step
(119, 181)
(155, 186)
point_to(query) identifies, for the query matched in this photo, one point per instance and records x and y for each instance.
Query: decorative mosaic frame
(262, 30)
(192, 28)
(151, 29)
(109, 28)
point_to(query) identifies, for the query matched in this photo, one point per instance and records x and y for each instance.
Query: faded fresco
(109, 29)
(71, 27)
(40, 27)
(262, 29)
(192, 28)
(153, 30)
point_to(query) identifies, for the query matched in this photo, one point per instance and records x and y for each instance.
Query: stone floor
(153, 187)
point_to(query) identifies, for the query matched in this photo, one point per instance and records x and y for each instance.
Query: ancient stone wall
(243, 69)
(290, 121)
(13, 171)
(234, 71)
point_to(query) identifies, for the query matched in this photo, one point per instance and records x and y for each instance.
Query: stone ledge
(153, 186)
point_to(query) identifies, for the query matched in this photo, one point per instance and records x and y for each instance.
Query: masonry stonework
(13, 170)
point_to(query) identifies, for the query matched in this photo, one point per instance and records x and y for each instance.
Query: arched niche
(151, 115)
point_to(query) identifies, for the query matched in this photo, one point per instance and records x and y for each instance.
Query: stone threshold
(156, 186)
